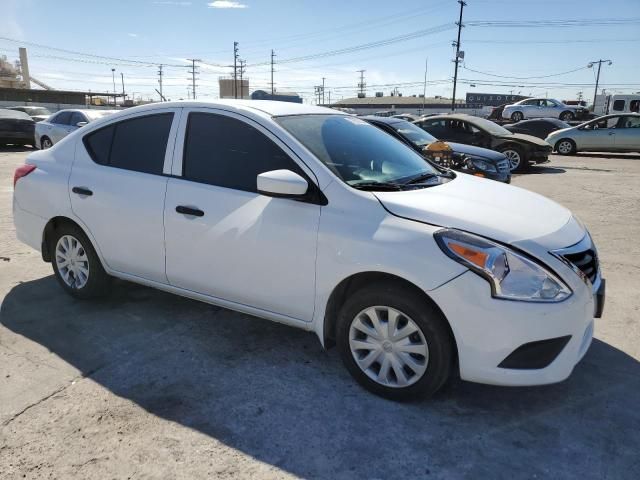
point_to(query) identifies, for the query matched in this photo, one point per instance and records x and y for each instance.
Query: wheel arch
(354, 282)
(52, 225)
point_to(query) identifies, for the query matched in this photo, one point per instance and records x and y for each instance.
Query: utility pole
(590, 65)
(193, 73)
(242, 64)
(329, 92)
(323, 79)
(272, 57)
(457, 59)
(424, 90)
(235, 69)
(361, 85)
(122, 77)
(113, 76)
(160, 82)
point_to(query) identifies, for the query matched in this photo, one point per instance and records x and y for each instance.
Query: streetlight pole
(113, 76)
(122, 77)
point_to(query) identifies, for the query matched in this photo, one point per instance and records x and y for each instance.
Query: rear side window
(138, 144)
(229, 153)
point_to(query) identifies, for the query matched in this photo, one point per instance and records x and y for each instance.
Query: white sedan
(60, 124)
(313, 218)
(611, 133)
(542, 108)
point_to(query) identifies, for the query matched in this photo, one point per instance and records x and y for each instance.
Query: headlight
(511, 275)
(482, 165)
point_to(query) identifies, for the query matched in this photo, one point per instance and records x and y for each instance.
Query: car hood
(476, 151)
(494, 210)
(526, 138)
(562, 131)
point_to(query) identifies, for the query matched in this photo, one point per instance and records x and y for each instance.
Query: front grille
(503, 165)
(585, 261)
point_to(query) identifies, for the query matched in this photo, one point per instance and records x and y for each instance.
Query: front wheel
(76, 264)
(567, 116)
(515, 157)
(394, 343)
(566, 147)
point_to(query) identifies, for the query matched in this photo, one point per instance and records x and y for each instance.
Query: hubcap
(388, 346)
(72, 261)
(513, 157)
(565, 147)
(46, 143)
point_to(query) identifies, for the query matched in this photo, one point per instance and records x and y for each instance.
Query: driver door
(237, 244)
(600, 136)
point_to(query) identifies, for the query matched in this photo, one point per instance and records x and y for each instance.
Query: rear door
(242, 247)
(599, 135)
(627, 136)
(117, 188)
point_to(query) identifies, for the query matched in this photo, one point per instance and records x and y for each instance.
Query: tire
(516, 159)
(85, 278)
(567, 116)
(45, 142)
(517, 116)
(432, 337)
(565, 146)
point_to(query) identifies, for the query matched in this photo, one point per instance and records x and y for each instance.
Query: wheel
(517, 116)
(567, 116)
(45, 143)
(515, 157)
(566, 146)
(394, 343)
(76, 264)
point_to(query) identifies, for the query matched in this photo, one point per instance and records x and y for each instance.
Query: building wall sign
(493, 99)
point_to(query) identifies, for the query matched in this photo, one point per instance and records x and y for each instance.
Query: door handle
(612, 133)
(189, 211)
(82, 191)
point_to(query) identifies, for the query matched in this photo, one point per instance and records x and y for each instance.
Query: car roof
(385, 120)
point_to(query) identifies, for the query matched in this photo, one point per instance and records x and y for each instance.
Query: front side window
(618, 106)
(63, 118)
(355, 151)
(229, 153)
(138, 144)
(77, 117)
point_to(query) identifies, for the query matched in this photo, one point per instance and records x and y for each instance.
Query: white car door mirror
(282, 183)
(81, 124)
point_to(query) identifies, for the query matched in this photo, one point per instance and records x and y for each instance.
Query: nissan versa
(317, 219)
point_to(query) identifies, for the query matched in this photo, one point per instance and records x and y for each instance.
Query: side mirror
(282, 183)
(81, 124)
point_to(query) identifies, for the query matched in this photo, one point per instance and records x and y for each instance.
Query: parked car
(466, 158)
(540, 127)
(541, 108)
(37, 114)
(16, 128)
(521, 150)
(409, 117)
(319, 220)
(496, 113)
(57, 126)
(611, 133)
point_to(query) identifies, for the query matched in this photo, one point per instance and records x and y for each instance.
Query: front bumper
(488, 330)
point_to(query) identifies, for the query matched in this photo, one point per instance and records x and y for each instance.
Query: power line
(525, 78)
(553, 23)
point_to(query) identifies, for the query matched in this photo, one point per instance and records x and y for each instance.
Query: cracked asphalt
(144, 384)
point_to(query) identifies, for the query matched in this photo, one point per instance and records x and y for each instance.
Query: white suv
(316, 219)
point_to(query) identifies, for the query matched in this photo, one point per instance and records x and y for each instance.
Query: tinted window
(634, 106)
(630, 122)
(229, 153)
(77, 117)
(618, 105)
(138, 144)
(62, 118)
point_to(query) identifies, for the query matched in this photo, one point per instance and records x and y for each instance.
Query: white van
(623, 104)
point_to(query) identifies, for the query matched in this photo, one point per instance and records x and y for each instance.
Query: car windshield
(355, 151)
(39, 111)
(413, 133)
(96, 114)
(488, 126)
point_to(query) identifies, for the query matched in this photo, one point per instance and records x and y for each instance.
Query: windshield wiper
(377, 186)
(426, 176)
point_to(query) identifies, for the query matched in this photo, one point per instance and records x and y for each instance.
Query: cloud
(133, 35)
(226, 4)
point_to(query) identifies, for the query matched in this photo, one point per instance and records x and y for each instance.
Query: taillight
(22, 171)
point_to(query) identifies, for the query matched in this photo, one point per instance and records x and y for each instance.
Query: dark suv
(521, 150)
(466, 158)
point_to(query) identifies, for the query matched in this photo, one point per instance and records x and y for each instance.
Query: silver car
(611, 133)
(59, 125)
(541, 108)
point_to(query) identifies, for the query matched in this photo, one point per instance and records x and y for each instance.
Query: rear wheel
(76, 264)
(567, 116)
(45, 142)
(394, 343)
(517, 116)
(566, 146)
(515, 157)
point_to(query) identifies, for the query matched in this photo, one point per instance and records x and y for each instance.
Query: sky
(406, 35)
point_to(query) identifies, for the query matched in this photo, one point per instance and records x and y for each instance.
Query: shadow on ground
(271, 392)
(538, 169)
(15, 148)
(619, 156)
